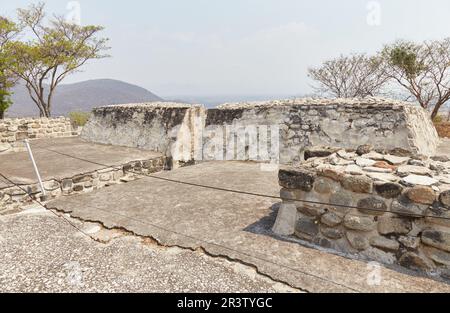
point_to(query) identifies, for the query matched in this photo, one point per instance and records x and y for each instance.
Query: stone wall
(14, 130)
(12, 198)
(391, 207)
(338, 122)
(159, 127)
(190, 132)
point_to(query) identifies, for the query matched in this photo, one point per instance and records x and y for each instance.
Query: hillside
(82, 96)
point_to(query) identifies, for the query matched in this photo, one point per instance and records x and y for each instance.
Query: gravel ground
(43, 253)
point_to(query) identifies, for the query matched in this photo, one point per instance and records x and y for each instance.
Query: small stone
(66, 184)
(341, 198)
(384, 165)
(359, 184)
(395, 160)
(320, 152)
(78, 188)
(406, 170)
(388, 190)
(384, 243)
(409, 241)
(415, 261)
(400, 152)
(407, 208)
(364, 149)
(297, 179)
(372, 206)
(346, 155)
(329, 171)
(374, 156)
(421, 194)
(286, 219)
(388, 225)
(311, 209)
(323, 185)
(379, 255)
(419, 180)
(306, 228)
(441, 158)
(353, 170)
(361, 223)
(444, 198)
(357, 240)
(4, 147)
(331, 219)
(331, 233)
(437, 239)
(363, 162)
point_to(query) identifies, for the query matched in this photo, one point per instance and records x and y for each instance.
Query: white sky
(241, 47)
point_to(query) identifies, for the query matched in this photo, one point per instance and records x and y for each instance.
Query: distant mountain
(82, 96)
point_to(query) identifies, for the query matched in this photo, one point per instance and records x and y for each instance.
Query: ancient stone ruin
(391, 206)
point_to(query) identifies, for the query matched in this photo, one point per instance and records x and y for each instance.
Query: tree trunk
(2, 115)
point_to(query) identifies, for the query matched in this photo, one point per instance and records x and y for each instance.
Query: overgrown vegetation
(421, 70)
(79, 118)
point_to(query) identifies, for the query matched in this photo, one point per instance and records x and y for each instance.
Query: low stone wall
(14, 130)
(392, 208)
(159, 127)
(12, 198)
(287, 127)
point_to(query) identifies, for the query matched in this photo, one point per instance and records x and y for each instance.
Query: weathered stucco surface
(190, 132)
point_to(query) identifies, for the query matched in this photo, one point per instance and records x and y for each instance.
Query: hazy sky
(245, 47)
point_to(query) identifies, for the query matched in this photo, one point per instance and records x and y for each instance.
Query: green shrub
(438, 119)
(79, 118)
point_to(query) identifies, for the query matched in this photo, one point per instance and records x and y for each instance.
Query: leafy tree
(8, 30)
(56, 49)
(357, 75)
(421, 69)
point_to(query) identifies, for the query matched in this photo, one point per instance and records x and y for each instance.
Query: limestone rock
(437, 239)
(363, 162)
(400, 152)
(410, 242)
(395, 160)
(373, 156)
(361, 223)
(311, 209)
(384, 243)
(4, 147)
(364, 149)
(331, 219)
(444, 198)
(406, 170)
(306, 228)
(384, 165)
(439, 256)
(441, 158)
(383, 177)
(381, 256)
(320, 152)
(360, 184)
(334, 172)
(388, 190)
(372, 206)
(373, 169)
(416, 261)
(358, 240)
(421, 194)
(331, 233)
(407, 208)
(419, 180)
(341, 198)
(353, 170)
(323, 185)
(388, 225)
(296, 179)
